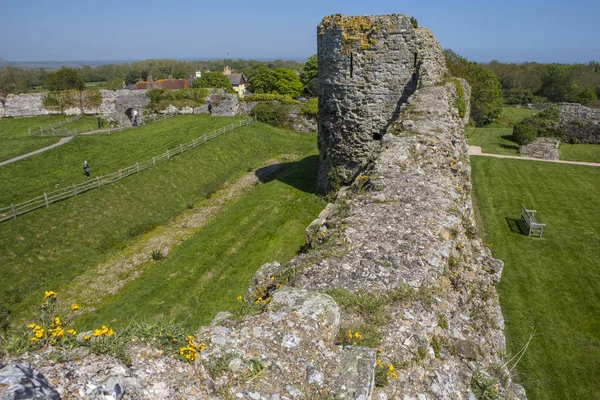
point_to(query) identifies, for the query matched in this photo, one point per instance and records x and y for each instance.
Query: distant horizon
(99, 62)
(512, 31)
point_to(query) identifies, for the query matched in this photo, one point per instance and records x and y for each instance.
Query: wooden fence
(46, 199)
(53, 127)
(56, 131)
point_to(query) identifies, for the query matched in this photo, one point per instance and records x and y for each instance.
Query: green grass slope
(48, 247)
(62, 166)
(550, 286)
(207, 273)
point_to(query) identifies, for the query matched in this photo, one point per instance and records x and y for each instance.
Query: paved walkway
(22, 156)
(476, 151)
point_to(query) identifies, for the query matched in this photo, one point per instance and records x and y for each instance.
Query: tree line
(17, 80)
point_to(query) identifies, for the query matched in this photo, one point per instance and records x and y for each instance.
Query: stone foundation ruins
(399, 236)
(581, 124)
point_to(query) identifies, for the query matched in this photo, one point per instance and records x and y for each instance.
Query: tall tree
(64, 79)
(486, 92)
(287, 82)
(555, 84)
(309, 74)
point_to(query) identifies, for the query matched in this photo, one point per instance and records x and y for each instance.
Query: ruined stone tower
(368, 67)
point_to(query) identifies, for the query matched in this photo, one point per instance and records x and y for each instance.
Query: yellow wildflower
(87, 337)
(31, 326)
(33, 339)
(39, 333)
(272, 278)
(72, 332)
(201, 347)
(489, 245)
(97, 332)
(57, 321)
(74, 307)
(391, 368)
(49, 294)
(357, 335)
(239, 298)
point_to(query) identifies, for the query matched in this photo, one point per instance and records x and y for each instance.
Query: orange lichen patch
(357, 31)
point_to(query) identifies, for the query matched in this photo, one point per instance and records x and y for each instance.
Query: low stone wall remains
(582, 124)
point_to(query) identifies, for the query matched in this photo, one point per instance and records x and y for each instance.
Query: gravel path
(22, 156)
(476, 151)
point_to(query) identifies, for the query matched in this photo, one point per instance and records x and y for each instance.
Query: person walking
(86, 168)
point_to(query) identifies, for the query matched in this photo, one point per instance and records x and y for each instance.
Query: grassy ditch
(48, 247)
(209, 271)
(550, 286)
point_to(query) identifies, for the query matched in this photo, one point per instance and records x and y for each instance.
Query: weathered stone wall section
(368, 67)
(582, 124)
(115, 104)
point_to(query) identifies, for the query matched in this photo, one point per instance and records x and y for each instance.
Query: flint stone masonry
(542, 148)
(403, 229)
(368, 67)
(582, 124)
(115, 106)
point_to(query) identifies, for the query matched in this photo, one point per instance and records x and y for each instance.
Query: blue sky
(509, 31)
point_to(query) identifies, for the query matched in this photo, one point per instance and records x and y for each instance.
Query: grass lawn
(580, 152)
(549, 285)
(497, 137)
(48, 247)
(493, 140)
(207, 273)
(105, 153)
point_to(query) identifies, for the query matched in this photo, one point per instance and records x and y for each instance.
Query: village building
(168, 83)
(237, 81)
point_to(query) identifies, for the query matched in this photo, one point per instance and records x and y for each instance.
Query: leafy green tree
(262, 80)
(213, 80)
(287, 82)
(578, 94)
(555, 83)
(486, 92)
(414, 22)
(132, 77)
(64, 79)
(309, 74)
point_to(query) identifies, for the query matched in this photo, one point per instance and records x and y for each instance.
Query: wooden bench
(528, 218)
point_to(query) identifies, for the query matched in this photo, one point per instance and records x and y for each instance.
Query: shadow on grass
(509, 146)
(515, 225)
(300, 174)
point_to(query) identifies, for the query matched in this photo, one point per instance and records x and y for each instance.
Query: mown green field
(580, 152)
(47, 248)
(497, 137)
(550, 286)
(207, 273)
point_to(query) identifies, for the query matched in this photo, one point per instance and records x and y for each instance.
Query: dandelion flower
(74, 307)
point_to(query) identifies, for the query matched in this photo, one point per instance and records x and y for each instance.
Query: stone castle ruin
(368, 68)
(395, 298)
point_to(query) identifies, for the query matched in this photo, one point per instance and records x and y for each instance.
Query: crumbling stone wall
(581, 124)
(368, 67)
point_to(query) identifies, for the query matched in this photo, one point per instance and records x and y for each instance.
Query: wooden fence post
(46, 198)
(98, 181)
(194, 142)
(180, 148)
(153, 162)
(13, 210)
(137, 166)
(120, 174)
(29, 130)
(75, 190)
(168, 156)
(41, 131)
